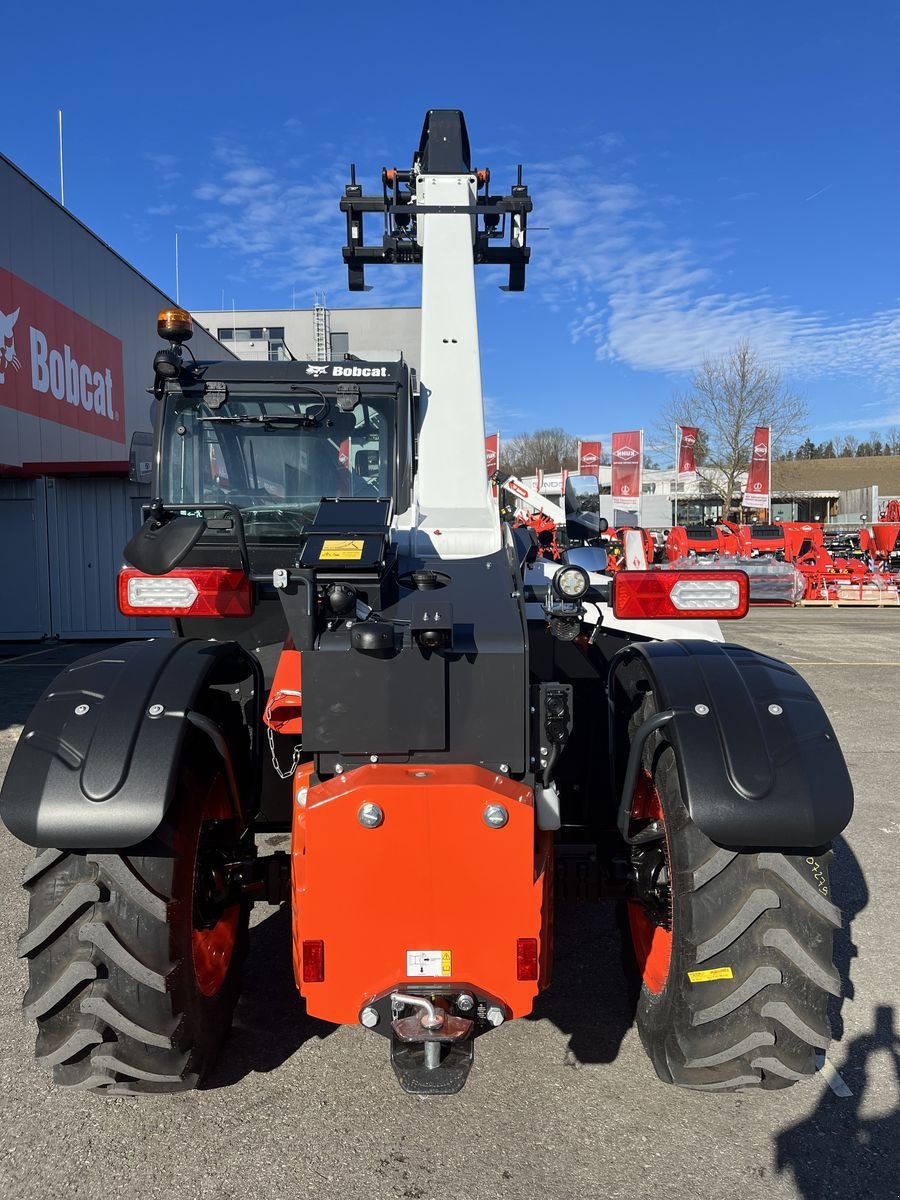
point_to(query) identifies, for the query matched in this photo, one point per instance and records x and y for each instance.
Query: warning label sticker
(342, 550)
(430, 964)
(709, 976)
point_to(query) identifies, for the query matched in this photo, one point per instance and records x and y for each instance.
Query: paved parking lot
(563, 1105)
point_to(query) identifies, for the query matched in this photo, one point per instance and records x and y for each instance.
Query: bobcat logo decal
(8, 356)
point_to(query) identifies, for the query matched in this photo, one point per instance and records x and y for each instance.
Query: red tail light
(313, 962)
(716, 595)
(203, 592)
(526, 958)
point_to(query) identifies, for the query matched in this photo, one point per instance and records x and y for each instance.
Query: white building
(319, 334)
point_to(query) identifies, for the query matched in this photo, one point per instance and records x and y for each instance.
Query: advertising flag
(757, 491)
(589, 458)
(687, 464)
(539, 480)
(626, 469)
(492, 453)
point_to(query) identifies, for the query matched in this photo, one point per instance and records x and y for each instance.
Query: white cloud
(283, 225)
(656, 302)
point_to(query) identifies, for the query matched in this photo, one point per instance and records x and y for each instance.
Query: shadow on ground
(594, 989)
(270, 1022)
(836, 1149)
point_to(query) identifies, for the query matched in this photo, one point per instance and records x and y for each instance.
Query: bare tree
(727, 399)
(892, 439)
(849, 445)
(547, 449)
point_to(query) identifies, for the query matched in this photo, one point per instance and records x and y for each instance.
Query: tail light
(313, 962)
(205, 592)
(721, 595)
(526, 958)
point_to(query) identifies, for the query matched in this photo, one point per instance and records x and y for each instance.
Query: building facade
(319, 334)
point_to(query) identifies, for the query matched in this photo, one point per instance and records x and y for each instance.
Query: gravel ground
(562, 1105)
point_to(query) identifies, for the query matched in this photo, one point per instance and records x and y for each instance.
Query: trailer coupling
(432, 1034)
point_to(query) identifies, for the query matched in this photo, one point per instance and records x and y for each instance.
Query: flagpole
(769, 513)
(675, 483)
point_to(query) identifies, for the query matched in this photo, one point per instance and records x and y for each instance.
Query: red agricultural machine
(453, 730)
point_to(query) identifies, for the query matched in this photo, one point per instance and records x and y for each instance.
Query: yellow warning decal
(446, 963)
(708, 976)
(334, 548)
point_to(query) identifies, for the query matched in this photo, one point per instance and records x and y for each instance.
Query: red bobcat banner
(687, 464)
(589, 458)
(757, 492)
(492, 452)
(58, 365)
(626, 469)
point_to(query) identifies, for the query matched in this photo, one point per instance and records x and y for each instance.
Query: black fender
(758, 760)
(97, 762)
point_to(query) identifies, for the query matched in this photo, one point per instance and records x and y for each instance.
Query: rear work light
(204, 592)
(716, 595)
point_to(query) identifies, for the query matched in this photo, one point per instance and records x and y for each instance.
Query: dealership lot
(562, 1105)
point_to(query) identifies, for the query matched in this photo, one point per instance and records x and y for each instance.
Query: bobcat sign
(57, 365)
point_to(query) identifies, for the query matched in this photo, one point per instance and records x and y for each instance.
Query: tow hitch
(432, 1034)
(431, 1049)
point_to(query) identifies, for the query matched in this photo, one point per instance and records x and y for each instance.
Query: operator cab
(273, 440)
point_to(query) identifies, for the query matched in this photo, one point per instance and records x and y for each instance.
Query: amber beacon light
(175, 325)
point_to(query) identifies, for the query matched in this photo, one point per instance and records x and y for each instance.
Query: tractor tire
(134, 970)
(737, 973)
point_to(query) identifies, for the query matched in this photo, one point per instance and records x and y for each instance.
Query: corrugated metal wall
(62, 540)
(24, 587)
(89, 521)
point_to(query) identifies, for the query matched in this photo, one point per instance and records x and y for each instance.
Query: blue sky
(701, 172)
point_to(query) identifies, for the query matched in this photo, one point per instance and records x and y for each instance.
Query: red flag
(492, 453)
(626, 469)
(756, 494)
(589, 458)
(687, 464)
(563, 476)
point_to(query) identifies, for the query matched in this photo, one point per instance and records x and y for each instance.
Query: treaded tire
(765, 915)
(113, 984)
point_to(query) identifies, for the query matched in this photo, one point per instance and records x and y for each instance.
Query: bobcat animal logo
(316, 371)
(8, 356)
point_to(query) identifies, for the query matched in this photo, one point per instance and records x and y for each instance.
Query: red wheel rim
(652, 943)
(212, 946)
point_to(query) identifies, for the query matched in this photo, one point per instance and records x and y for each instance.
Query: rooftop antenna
(177, 281)
(62, 183)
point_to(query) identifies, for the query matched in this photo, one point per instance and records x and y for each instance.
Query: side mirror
(582, 503)
(140, 458)
(163, 541)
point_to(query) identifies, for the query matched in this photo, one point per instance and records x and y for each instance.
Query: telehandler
(453, 730)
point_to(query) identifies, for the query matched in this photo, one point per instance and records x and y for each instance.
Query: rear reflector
(313, 962)
(721, 595)
(526, 958)
(203, 592)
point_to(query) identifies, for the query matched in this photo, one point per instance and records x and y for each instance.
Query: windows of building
(273, 337)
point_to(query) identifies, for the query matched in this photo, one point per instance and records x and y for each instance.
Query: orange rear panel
(432, 878)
